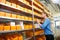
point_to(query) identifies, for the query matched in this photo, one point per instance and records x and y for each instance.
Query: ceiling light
(56, 1)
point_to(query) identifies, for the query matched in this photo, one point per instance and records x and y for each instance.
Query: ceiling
(53, 8)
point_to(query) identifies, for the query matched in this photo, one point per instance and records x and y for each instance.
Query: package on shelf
(8, 37)
(37, 25)
(22, 25)
(34, 19)
(20, 37)
(2, 13)
(30, 18)
(1, 38)
(41, 37)
(26, 18)
(18, 16)
(26, 26)
(18, 26)
(19, 7)
(38, 9)
(7, 14)
(8, 2)
(30, 26)
(13, 15)
(11, 37)
(25, 9)
(29, 33)
(7, 26)
(14, 3)
(22, 17)
(38, 32)
(1, 26)
(30, 11)
(35, 13)
(13, 26)
(3, 1)
(26, 2)
(38, 4)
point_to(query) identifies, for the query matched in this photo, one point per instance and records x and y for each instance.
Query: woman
(47, 27)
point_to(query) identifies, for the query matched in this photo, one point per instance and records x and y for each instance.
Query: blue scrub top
(47, 27)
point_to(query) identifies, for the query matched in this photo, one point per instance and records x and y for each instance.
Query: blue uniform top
(47, 27)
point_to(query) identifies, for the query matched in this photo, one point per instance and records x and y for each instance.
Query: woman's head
(44, 15)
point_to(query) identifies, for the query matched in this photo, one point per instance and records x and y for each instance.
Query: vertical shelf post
(33, 19)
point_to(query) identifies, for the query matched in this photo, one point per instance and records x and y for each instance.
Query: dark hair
(45, 13)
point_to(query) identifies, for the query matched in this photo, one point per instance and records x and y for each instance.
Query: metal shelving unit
(19, 11)
(7, 7)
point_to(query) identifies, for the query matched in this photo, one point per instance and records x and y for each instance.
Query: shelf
(4, 6)
(39, 6)
(2, 18)
(34, 36)
(27, 6)
(12, 31)
(28, 38)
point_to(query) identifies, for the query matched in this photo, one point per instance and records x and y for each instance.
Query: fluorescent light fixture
(56, 1)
